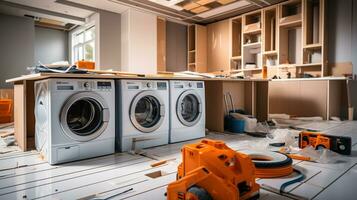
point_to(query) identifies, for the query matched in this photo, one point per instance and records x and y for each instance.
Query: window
(83, 47)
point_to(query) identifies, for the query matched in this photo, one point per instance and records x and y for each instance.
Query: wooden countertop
(41, 76)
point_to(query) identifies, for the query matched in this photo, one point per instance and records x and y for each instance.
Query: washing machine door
(147, 111)
(84, 116)
(189, 108)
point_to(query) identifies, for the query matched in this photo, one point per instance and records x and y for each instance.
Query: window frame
(77, 45)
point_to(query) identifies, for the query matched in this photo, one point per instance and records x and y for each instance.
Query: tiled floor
(123, 176)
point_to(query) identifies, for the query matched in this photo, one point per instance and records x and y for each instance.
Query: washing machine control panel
(84, 85)
(104, 85)
(146, 85)
(188, 85)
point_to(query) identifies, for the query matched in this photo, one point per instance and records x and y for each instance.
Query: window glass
(80, 53)
(89, 34)
(83, 45)
(80, 38)
(89, 51)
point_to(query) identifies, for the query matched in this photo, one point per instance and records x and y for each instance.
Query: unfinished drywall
(51, 45)
(176, 47)
(138, 42)
(109, 40)
(339, 26)
(16, 46)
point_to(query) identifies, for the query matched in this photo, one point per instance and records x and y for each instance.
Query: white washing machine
(187, 113)
(143, 119)
(75, 118)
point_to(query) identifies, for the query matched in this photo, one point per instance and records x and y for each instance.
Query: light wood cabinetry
(286, 40)
(252, 44)
(197, 48)
(250, 96)
(161, 44)
(299, 98)
(218, 47)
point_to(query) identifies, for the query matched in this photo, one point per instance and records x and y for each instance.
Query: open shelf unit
(290, 38)
(197, 48)
(252, 44)
(314, 47)
(270, 42)
(235, 25)
(285, 40)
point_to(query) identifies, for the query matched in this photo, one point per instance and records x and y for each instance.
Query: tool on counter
(161, 162)
(211, 170)
(318, 140)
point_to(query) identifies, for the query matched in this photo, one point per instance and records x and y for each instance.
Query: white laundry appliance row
(84, 118)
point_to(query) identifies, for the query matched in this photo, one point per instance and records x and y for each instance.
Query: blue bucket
(234, 125)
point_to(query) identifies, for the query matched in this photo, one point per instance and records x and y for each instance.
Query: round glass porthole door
(188, 108)
(84, 116)
(147, 111)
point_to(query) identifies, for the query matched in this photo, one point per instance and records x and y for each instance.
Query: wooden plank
(218, 46)
(336, 91)
(30, 115)
(161, 44)
(311, 96)
(262, 101)
(19, 115)
(201, 48)
(214, 106)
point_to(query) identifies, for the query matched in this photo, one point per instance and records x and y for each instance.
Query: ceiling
(186, 11)
(198, 11)
(46, 12)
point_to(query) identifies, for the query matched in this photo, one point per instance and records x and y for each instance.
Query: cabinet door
(218, 51)
(211, 46)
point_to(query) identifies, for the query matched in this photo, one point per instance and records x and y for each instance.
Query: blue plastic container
(234, 125)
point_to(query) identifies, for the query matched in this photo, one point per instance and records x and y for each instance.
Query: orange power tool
(211, 170)
(339, 144)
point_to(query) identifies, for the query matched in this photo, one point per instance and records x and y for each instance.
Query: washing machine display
(189, 108)
(187, 117)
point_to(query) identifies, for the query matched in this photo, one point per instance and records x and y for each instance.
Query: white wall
(139, 42)
(107, 41)
(17, 38)
(50, 45)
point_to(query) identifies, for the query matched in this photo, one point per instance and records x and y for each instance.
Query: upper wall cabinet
(218, 47)
(197, 48)
(138, 42)
(252, 43)
(270, 42)
(286, 40)
(161, 44)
